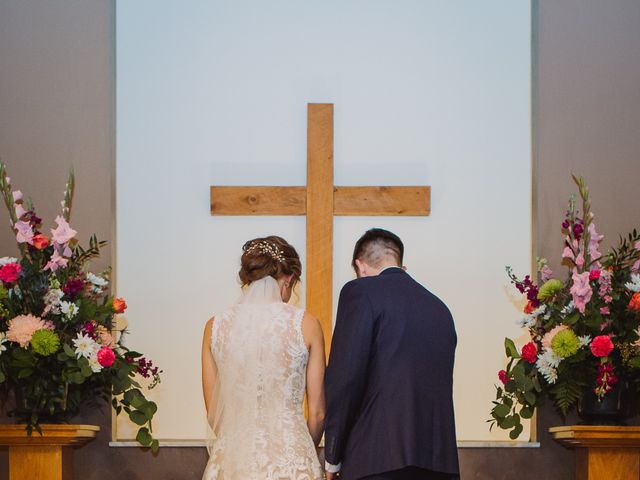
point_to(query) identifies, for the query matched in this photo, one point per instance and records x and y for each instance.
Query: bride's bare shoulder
(311, 327)
(208, 327)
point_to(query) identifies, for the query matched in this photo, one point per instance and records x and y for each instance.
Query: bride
(258, 358)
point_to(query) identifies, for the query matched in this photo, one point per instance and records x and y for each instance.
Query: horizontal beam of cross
(347, 201)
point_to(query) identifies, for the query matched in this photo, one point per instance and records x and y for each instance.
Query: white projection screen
(215, 93)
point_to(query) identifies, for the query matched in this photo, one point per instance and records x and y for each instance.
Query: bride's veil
(236, 345)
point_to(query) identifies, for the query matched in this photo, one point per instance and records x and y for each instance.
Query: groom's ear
(360, 267)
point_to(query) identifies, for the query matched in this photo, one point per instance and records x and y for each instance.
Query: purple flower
(90, 329)
(35, 220)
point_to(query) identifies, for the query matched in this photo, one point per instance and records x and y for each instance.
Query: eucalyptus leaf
(138, 417)
(501, 410)
(144, 437)
(515, 433)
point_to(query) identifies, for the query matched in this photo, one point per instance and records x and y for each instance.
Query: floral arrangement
(61, 337)
(583, 330)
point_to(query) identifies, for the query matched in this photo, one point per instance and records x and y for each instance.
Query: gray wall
(57, 110)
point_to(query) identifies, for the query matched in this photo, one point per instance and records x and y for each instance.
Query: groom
(389, 380)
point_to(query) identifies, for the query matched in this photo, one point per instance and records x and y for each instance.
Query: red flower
(601, 346)
(504, 378)
(529, 352)
(594, 274)
(106, 357)
(119, 305)
(529, 307)
(73, 287)
(634, 303)
(9, 273)
(40, 241)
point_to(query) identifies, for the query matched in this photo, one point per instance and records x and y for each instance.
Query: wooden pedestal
(44, 457)
(602, 452)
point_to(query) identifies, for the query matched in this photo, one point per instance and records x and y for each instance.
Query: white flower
(584, 340)
(94, 364)
(5, 260)
(547, 363)
(85, 346)
(97, 283)
(568, 308)
(634, 284)
(529, 320)
(3, 340)
(69, 309)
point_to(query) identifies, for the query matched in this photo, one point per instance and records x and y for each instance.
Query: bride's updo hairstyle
(272, 256)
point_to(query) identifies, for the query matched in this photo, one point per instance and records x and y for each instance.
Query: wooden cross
(320, 200)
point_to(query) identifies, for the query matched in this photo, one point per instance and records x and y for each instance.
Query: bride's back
(261, 357)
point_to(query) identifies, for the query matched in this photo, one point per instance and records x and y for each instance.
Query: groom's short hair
(376, 245)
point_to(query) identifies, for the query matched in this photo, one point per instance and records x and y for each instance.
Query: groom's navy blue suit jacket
(389, 379)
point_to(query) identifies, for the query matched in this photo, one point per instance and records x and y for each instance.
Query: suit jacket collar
(392, 271)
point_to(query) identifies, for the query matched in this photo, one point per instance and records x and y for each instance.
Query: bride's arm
(209, 368)
(312, 333)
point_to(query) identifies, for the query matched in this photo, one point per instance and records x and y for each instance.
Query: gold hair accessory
(266, 248)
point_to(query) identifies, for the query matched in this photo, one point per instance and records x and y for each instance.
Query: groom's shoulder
(362, 285)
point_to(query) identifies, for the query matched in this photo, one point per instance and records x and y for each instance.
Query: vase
(612, 409)
(28, 407)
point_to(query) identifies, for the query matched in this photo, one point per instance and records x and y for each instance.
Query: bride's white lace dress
(259, 431)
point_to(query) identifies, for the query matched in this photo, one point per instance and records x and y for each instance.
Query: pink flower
(594, 274)
(106, 357)
(580, 260)
(635, 267)
(504, 378)
(56, 262)
(17, 195)
(9, 272)
(606, 324)
(546, 273)
(22, 328)
(20, 211)
(601, 346)
(594, 239)
(568, 253)
(63, 233)
(580, 290)
(605, 283)
(24, 232)
(637, 245)
(604, 310)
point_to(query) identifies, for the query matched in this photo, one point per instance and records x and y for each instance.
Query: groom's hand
(332, 476)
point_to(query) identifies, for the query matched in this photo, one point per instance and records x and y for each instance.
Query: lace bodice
(261, 433)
